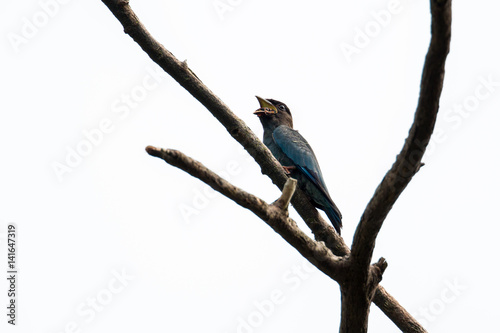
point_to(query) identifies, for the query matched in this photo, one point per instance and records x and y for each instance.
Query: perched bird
(296, 156)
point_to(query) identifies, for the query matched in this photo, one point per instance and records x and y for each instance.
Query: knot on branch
(375, 276)
(379, 268)
(286, 195)
(186, 67)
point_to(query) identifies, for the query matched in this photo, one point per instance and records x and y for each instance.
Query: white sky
(104, 245)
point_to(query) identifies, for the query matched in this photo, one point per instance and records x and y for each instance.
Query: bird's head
(273, 113)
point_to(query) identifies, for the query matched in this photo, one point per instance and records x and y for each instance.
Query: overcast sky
(110, 239)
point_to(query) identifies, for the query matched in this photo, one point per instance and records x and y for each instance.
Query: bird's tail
(334, 217)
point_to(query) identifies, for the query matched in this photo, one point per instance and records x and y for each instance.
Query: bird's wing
(300, 152)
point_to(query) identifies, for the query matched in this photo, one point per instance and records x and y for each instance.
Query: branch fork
(358, 279)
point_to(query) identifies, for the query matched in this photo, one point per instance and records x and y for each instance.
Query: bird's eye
(281, 107)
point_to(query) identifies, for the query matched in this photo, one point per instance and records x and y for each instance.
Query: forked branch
(234, 125)
(275, 215)
(269, 166)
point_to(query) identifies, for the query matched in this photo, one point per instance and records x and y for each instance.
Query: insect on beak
(266, 107)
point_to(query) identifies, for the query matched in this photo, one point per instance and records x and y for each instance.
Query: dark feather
(291, 149)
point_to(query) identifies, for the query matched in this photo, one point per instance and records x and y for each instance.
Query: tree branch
(234, 125)
(409, 159)
(241, 133)
(275, 215)
(359, 292)
(398, 314)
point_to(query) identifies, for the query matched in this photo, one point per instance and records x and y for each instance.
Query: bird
(296, 156)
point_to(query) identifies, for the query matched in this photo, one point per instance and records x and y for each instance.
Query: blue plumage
(294, 153)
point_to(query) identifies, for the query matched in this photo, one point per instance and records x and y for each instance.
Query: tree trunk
(355, 308)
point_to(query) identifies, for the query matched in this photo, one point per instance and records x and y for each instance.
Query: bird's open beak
(265, 107)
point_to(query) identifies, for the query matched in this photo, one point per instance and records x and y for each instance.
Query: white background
(191, 260)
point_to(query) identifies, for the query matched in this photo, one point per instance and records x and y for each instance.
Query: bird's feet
(289, 169)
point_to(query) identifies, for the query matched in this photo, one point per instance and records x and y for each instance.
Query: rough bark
(398, 314)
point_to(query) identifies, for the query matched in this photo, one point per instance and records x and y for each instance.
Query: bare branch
(383, 299)
(276, 216)
(408, 161)
(392, 309)
(235, 126)
(358, 293)
(241, 133)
